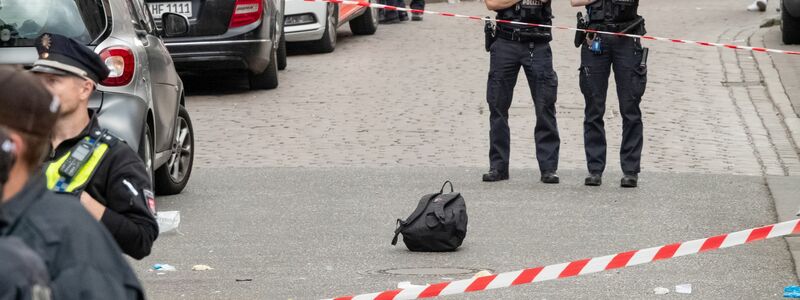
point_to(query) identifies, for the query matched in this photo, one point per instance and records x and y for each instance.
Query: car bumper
(245, 49)
(250, 55)
(123, 115)
(305, 32)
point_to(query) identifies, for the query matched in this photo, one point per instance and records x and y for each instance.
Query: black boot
(594, 180)
(549, 177)
(629, 181)
(495, 175)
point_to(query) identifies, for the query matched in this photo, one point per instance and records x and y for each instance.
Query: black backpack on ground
(438, 224)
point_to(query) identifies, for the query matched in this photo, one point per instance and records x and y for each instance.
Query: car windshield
(21, 21)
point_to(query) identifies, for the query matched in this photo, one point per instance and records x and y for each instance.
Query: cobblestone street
(414, 94)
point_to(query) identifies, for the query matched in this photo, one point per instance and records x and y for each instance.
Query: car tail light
(120, 63)
(246, 12)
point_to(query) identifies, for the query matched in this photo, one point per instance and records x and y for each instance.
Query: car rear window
(21, 21)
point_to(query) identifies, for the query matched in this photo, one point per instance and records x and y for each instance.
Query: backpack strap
(441, 202)
(423, 204)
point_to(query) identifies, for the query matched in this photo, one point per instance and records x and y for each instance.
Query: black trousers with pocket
(536, 60)
(624, 55)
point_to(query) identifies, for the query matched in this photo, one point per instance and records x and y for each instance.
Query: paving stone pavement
(414, 95)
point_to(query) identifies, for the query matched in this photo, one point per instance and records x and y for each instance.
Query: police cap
(61, 55)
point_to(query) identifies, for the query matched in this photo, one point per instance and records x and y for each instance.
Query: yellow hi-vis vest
(58, 183)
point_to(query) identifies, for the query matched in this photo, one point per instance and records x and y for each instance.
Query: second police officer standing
(88, 161)
(528, 47)
(599, 53)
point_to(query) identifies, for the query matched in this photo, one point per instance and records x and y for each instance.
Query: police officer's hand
(95, 208)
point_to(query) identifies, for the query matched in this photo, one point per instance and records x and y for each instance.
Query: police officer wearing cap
(82, 259)
(599, 53)
(88, 161)
(516, 46)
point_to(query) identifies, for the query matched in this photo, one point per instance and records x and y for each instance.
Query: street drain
(430, 271)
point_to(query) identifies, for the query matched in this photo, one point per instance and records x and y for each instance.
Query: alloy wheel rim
(332, 23)
(179, 161)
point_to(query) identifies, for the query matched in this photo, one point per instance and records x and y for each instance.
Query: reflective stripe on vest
(59, 184)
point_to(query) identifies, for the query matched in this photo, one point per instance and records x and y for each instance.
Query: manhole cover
(430, 271)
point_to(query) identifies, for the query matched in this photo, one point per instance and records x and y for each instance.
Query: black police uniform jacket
(121, 183)
(22, 271)
(82, 259)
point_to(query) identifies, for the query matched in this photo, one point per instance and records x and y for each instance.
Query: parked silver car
(142, 100)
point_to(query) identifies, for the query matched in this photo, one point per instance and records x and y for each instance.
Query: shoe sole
(593, 183)
(628, 185)
(484, 180)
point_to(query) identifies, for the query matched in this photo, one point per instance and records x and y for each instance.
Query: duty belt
(522, 35)
(626, 27)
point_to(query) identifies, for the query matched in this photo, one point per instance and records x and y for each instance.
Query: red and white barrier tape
(644, 37)
(586, 266)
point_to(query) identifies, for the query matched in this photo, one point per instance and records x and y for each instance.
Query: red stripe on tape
(344, 298)
(527, 276)
(447, 14)
(796, 227)
(713, 243)
(480, 283)
(475, 18)
(620, 260)
(363, 3)
(704, 44)
(574, 268)
(760, 49)
(419, 11)
(666, 252)
(502, 21)
(388, 7)
(434, 290)
(388, 295)
(759, 233)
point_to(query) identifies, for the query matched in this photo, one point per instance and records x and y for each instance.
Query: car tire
(146, 150)
(328, 41)
(172, 177)
(365, 24)
(790, 27)
(268, 79)
(282, 52)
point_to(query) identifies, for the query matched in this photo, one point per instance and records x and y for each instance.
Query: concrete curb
(785, 190)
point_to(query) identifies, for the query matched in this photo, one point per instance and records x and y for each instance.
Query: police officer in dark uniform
(528, 47)
(82, 259)
(629, 60)
(22, 271)
(88, 161)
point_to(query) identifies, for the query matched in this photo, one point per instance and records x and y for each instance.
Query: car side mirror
(174, 24)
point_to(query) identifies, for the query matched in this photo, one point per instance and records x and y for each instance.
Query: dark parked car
(229, 35)
(790, 21)
(142, 100)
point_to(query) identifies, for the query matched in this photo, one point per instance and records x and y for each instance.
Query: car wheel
(268, 79)
(790, 27)
(365, 24)
(282, 52)
(328, 41)
(172, 177)
(146, 150)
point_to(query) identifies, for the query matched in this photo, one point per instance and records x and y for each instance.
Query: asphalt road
(308, 233)
(296, 191)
